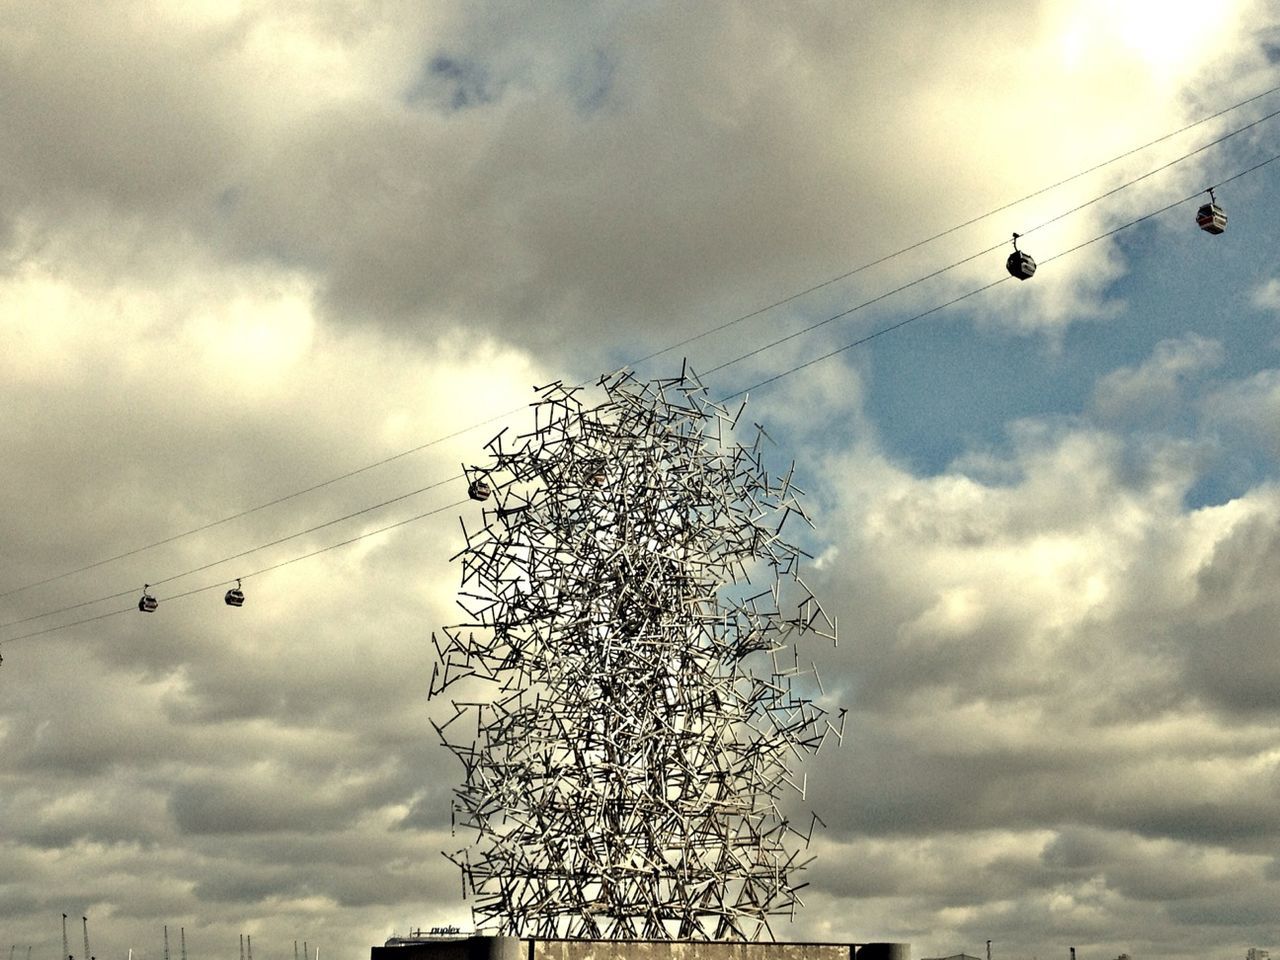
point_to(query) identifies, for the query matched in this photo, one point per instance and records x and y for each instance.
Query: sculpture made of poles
(630, 718)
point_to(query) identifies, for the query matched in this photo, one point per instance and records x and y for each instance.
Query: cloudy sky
(247, 248)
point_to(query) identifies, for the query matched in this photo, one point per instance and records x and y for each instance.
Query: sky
(249, 248)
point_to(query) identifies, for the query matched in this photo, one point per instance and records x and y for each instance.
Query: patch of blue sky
(590, 80)
(950, 385)
(942, 388)
(947, 386)
(1189, 283)
(453, 82)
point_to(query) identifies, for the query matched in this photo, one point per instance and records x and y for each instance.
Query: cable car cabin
(148, 603)
(593, 471)
(479, 490)
(1021, 265)
(234, 597)
(1212, 218)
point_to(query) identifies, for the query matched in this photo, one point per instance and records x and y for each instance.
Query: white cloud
(1152, 391)
(1267, 295)
(1250, 407)
(1064, 649)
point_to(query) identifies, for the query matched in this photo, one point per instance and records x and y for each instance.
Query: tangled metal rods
(630, 716)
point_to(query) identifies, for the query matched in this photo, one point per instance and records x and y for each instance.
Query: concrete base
(511, 948)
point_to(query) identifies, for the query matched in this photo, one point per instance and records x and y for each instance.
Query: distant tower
(630, 707)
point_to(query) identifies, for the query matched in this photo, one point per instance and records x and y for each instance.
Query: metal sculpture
(624, 702)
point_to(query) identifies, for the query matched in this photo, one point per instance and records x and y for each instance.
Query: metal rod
(635, 609)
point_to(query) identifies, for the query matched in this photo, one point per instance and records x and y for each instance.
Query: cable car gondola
(1020, 263)
(147, 603)
(479, 489)
(593, 471)
(235, 596)
(1211, 217)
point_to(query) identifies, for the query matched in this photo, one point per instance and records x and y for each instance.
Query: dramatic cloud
(248, 249)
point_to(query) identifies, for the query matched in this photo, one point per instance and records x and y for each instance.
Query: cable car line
(1052, 220)
(475, 426)
(222, 583)
(964, 296)
(853, 309)
(271, 503)
(1152, 173)
(971, 221)
(1165, 209)
(756, 386)
(237, 556)
(861, 340)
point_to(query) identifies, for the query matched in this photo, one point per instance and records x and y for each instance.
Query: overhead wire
(222, 583)
(236, 556)
(968, 223)
(708, 332)
(964, 296)
(756, 386)
(721, 366)
(974, 256)
(263, 506)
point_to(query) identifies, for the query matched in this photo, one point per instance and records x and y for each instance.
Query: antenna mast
(182, 932)
(248, 944)
(87, 955)
(166, 942)
(242, 946)
(66, 950)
